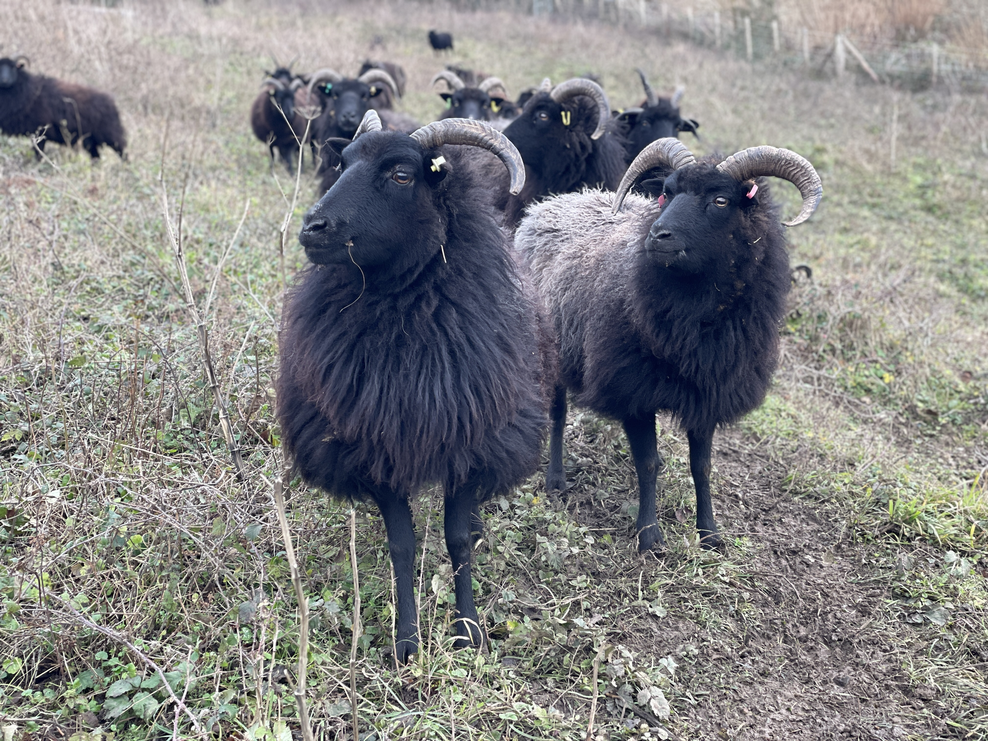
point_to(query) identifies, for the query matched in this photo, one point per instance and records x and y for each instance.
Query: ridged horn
(379, 75)
(450, 78)
(478, 134)
(781, 163)
(296, 84)
(326, 74)
(273, 81)
(582, 86)
(650, 97)
(667, 151)
(370, 122)
(546, 86)
(493, 82)
(677, 96)
(22, 58)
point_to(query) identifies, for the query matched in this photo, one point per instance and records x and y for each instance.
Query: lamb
(568, 141)
(440, 42)
(346, 100)
(481, 102)
(410, 351)
(58, 111)
(656, 118)
(276, 122)
(671, 304)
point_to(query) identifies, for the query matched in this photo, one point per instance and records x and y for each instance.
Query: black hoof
(468, 634)
(555, 482)
(711, 541)
(405, 649)
(650, 539)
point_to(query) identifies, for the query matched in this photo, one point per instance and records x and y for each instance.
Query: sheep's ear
(375, 91)
(630, 117)
(436, 168)
(651, 187)
(688, 124)
(337, 144)
(448, 97)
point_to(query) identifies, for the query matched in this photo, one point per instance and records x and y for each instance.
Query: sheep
(346, 100)
(481, 102)
(275, 120)
(671, 304)
(410, 352)
(440, 42)
(656, 118)
(58, 111)
(568, 141)
(386, 100)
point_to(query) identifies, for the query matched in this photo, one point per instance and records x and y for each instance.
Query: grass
(854, 499)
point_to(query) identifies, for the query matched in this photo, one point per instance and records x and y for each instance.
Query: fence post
(775, 36)
(840, 57)
(717, 28)
(642, 10)
(690, 22)
(806, 46)
(747, 38)
(935, 54)
(665, 20)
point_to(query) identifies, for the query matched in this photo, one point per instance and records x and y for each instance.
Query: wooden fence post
(935, 54)
(717, 28)
(775, 36)
(747, 39)
(806, 46)
(840, 58)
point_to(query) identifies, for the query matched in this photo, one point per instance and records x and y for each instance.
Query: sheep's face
(10, 71)
(380, 214)
(348, 101)
(654, 122)
(283, 98)
(551, 136)
(699, 228)
(470, 102)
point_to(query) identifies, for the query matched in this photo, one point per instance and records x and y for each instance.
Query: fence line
(762, 38)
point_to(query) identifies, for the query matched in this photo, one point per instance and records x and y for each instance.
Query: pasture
(145, 590)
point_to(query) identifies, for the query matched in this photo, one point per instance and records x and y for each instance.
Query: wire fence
(760, 37)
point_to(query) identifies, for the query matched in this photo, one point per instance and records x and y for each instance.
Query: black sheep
(657, 118)
(410, 351)
(483, 101)
(344, 103)
(386, 100)
(568, 141)
(440, 42)
(276, 122)
(58, 111)
(672, 304)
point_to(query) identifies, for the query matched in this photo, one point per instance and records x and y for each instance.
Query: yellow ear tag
(494, 106)
(437, 163)
(566, 118)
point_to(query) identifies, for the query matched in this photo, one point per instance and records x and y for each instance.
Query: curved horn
(492, 82)
(324, 74)
(22, 58)
(451, 78)
(650, 97)
(546, 86)
(667, 151)
(581, 86)
(294, 59)
(379, 75)
(370, 122)
(780, 163)
(296, 84)
(478, 134)
(273, 81)
(677, 96)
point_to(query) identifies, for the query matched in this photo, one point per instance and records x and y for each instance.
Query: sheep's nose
(657, 232)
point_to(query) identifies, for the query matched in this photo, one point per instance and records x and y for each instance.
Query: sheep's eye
(646, 125)
(720, 201)
(542, 116)
(401, 177)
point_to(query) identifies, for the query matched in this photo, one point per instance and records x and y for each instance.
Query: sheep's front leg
(460, 508)
(555, 476)
(641, 437)
(401, 543)
(701, 445)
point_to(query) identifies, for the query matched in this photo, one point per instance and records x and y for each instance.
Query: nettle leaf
(145, 706)
(122, 686)
(114, 707)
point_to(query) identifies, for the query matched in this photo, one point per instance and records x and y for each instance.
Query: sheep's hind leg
(701, 446)
(641, 437)
(401, 543)
(555, 476)
(460, 507)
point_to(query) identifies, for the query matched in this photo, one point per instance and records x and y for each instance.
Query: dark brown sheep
(58, 111)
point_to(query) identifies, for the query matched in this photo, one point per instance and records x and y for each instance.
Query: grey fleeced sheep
(671, 304)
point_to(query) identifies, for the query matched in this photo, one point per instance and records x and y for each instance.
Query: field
(145, 586)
